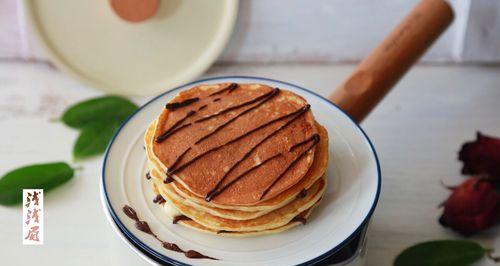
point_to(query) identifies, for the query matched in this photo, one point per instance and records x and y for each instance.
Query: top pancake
(210, 137)
(316, 170)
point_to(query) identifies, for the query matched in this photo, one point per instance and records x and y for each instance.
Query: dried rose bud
(472, 206)
(481, 157)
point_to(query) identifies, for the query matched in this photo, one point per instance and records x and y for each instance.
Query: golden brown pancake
(274, 219)
(297, 220)
(237, 159)
(236, 144)
(316, 170)
(300, 219)
(223, 213)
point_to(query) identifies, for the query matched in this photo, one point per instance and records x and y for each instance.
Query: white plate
(351, 196)
(89, 41)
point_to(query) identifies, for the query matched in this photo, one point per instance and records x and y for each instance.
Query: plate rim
(106, 201)
(195, 70)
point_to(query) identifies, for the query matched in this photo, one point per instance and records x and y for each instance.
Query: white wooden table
(417, 131)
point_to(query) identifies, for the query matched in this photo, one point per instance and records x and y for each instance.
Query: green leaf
(94, 138)
(104, 108)
(37, 176)
(441, 253)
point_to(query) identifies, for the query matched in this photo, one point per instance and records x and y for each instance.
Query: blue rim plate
(354, 181)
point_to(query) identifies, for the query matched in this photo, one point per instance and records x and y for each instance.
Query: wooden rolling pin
(382, 69)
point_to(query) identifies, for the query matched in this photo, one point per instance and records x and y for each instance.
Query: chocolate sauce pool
(143, 226)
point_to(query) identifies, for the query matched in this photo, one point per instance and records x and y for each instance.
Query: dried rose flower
(473, 206)
(481, 157)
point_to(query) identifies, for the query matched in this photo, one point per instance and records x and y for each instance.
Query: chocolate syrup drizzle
(299, 219)
(175, 167)
(314, 139)
(148, 176)
(223, 231)
(143, 226)
(231, 108)
(180, 218)
(174, 128)
(177, 105)
(168, 134)
(178, 159)
(159, 199)
(302, 194)
(229, 89)
(168, 179)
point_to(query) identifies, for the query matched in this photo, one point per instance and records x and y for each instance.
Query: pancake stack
(237, 159)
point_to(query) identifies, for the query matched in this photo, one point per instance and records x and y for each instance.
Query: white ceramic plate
(351, 196)
(89, 41)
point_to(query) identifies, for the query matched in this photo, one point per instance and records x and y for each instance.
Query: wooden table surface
(417, 131)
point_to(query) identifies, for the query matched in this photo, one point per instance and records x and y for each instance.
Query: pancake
(298, 220)
(223, 213)
(236, 144)
(237, 159)
(196, 226)
(317, 169)
(274, 219)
